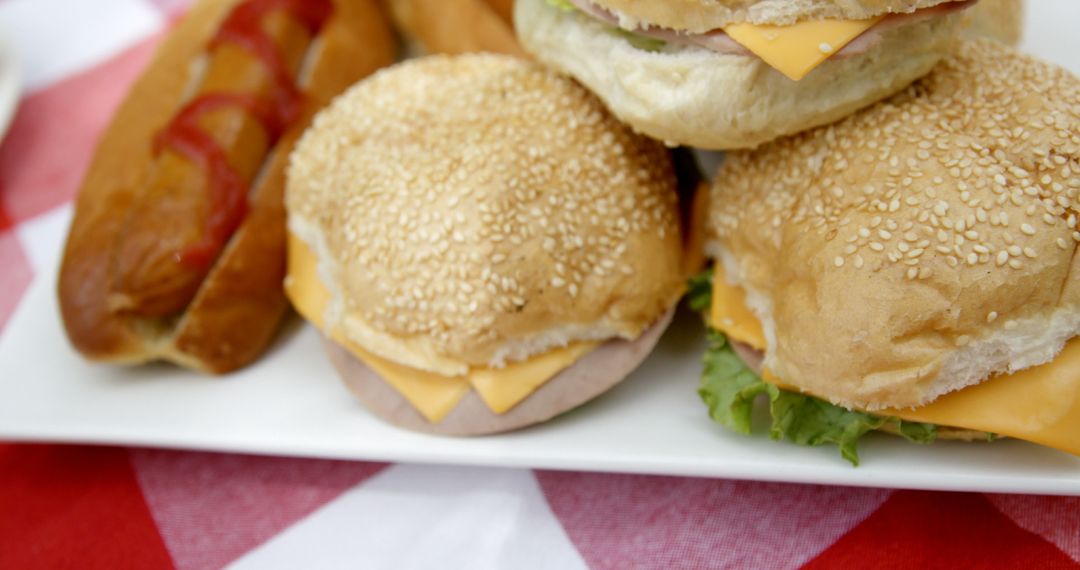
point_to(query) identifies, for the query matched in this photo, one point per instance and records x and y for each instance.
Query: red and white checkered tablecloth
(93, 507)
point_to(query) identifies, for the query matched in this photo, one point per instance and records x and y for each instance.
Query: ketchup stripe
(228, 191)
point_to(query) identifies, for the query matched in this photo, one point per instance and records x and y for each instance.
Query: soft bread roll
(475, 210)
(1002, 20)
(699, 16)
(920, 246)
(457, 26)
(694, 96)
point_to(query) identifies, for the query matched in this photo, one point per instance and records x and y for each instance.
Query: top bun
(699, 16)
(476, 209)
(920, 246)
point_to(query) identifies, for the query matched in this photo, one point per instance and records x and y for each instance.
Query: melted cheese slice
(433, 395)
(731, 315)
(1040, 404)
(797, 49)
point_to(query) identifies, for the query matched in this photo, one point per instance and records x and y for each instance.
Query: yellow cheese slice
(433, 395)
(1040, 404)
(797, 49)
(502, 389)
(731, 315)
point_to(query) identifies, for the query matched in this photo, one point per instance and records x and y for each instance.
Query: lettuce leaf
(640, 42)
(644, 43)
(564, 5)
(699, 292)
(729, 388)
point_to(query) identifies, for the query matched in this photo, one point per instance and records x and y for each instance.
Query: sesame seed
(991, 316)
(1027, 229)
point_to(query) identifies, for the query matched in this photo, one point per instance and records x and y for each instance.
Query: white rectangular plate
(291, 403)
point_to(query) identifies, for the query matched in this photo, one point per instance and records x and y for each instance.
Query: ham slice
(720, 42)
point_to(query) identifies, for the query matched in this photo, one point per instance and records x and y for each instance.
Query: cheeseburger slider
(485, 246)
(731, 74)
(911, 268)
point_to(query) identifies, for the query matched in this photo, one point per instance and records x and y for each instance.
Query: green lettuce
(564, 5)
(699, 292)
(640, 42)
(729, 388)
(644, 43)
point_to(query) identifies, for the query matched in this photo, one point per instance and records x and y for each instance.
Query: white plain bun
(696, 97)
(920, 246)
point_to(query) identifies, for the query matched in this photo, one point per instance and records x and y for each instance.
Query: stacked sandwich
(908, 268)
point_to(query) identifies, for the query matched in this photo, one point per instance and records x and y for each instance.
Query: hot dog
(176, 251)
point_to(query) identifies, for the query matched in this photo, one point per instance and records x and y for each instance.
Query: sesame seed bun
(696, 97)
(919, 246)
(1001, 20)
(475, 210)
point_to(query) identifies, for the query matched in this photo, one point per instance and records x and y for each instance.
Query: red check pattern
(92, 507)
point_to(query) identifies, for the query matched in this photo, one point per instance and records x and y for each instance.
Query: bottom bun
(589, 377)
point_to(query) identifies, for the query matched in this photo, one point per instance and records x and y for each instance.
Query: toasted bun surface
(694, 96)
(699, 16)
(476, 209)
(457, 26)
(1001, 20)
(919, 246)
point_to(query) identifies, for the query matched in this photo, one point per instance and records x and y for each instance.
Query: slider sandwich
(732, 74)
(484, 245)
(911, 268)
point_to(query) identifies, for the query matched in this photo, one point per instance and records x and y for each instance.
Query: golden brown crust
(699, 16)
(458, 26)
(237, 307)
(921, 245)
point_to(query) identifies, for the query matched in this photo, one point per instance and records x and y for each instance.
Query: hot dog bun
(457, 26)
(123, 302)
